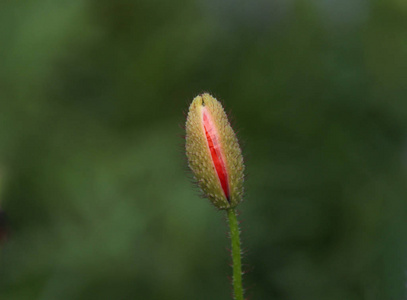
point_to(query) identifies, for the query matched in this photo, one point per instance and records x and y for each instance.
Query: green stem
(236, 254)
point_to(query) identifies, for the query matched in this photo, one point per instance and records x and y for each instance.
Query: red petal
(216, 153)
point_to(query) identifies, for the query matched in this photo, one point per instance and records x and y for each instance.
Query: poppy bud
(213, 152)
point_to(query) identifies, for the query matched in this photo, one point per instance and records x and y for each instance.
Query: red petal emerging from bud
(212, 138)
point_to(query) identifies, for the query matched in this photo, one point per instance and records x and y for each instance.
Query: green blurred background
(93, 177)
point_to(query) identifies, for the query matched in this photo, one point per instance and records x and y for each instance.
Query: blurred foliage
(92, 169)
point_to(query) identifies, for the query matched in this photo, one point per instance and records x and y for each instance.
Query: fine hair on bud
(213, 152)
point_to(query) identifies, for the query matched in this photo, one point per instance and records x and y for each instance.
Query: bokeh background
(93, 178)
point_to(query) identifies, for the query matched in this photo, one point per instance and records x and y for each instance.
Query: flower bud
(213, 152)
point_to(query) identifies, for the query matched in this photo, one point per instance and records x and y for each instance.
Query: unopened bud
(213, 152)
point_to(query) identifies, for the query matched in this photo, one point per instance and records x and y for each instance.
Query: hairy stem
(236, 255)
